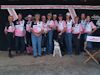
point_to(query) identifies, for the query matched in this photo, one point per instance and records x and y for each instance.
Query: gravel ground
(47, 65)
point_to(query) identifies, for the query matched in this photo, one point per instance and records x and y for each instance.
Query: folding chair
(91, 55)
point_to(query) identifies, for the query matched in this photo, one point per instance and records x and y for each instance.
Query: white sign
(93, 38)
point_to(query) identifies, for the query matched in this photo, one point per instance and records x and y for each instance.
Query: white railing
(71, 8)
(50, 7)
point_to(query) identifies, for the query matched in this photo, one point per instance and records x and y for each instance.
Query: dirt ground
(47, 65)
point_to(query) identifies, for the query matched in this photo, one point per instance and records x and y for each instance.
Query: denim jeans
(68, 39)
(50, 42)
(36, 44)
(89, 44)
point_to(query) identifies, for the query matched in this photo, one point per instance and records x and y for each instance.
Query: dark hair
(50, 19)
(83, 13)
(89, 16)
(41, 18)
(19, 13)
(35, 18)
(70, 18)
(78, 19)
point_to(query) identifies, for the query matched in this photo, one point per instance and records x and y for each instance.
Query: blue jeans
(68, 40)
(50, 42)
(89, 44)
(36, 44)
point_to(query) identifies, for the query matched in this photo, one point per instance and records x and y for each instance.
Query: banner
(93, 38)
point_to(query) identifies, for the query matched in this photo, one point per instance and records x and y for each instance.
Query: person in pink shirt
(61, 28)
(55, 26)
(89, 29)
(44, 34)
(50, 24)
(82, 38)
(68, 36)
(28, 24)
(9, 31)
(77, 30)
(55, 21)
(36, 35)
(19, 34)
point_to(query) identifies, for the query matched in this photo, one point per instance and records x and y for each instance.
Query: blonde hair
(10, 17)
(37, 15)
(76, 17)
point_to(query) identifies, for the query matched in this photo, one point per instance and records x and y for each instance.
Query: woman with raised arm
(9, 31)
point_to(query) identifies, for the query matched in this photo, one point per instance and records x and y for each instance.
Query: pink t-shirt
(61, 25)
(38, 28)
(11, 28)
(19, 29)
(89, 27)
(69, 26)
(50, 24)
(55, 23)
(28, 26)
(45, 27)
(77, 29)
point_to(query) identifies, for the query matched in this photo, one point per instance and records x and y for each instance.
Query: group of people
(37, 34)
